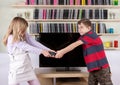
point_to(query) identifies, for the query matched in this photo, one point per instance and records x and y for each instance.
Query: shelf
(68, 6)
(100, 34)
(108, 34)
(35, 34)
(71, 20)
(112, 48)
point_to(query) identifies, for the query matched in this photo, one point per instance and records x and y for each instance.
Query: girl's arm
(29, 48)
(23, 45)
(35, 43)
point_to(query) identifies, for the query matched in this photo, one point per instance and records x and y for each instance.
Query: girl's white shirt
(30, 45)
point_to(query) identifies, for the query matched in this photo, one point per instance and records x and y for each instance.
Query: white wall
(6, 15)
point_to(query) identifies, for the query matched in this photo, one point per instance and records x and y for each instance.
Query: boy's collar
(90, 31)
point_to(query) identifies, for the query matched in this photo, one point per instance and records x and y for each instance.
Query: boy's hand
(59, 54)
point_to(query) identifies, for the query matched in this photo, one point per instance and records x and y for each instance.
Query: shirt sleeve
(86, 39)
(35, 43)
(27, 47)
(23, 45)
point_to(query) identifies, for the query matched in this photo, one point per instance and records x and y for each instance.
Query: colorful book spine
(77, 2)
(55, 2)
(27, 2)
(71, 2)
(44, 14)
(32, 2)
(83, 2)
(89, 2)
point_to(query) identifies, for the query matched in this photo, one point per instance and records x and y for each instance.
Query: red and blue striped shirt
(93, 51)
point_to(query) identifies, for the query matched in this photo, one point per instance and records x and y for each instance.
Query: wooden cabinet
(60, 78)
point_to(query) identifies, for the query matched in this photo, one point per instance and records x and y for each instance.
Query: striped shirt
(93, 51)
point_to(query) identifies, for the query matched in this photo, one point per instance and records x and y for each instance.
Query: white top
(30, 45)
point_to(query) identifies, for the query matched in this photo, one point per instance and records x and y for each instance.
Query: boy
(94, 55)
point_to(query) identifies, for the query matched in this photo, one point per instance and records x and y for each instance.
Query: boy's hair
(17, 26)
(86, 22)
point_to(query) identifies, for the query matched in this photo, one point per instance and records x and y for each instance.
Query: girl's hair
(17, 26)
(86, 22)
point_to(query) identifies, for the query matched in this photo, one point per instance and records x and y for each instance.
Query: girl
(19, 44)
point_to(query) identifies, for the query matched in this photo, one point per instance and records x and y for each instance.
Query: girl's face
(82, 29)
(22, 33)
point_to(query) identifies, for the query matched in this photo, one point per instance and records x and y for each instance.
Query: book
(51, 2)
(27, 2)
(61, 2)
(32, 2)
(44, 2)
(55, 2)
(71, 2)
(105, 14)
(36, 14)
(96, 13)
(89, 2)
(37, 2)
(40, 14)
(44, 13)
(40, 2)
(83, 14)
(90, 14)
(65, 13)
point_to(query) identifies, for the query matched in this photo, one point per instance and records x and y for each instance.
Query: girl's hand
(46, 53)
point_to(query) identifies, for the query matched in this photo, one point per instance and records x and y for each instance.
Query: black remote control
(52, 53)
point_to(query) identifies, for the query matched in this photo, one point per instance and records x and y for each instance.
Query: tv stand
(66, 69)
(54, 78)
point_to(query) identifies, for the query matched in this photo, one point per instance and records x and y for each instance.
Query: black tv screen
(57, 41)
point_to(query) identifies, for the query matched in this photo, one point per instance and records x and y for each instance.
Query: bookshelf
(71, 20)
(68, 6)
(84, 6)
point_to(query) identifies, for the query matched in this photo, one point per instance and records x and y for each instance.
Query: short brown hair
(86, 22)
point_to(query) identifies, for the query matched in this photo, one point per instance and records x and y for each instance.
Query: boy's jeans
(101, 76)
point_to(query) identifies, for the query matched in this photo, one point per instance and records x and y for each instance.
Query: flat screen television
(57, 41)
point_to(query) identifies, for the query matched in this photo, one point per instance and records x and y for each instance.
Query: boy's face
(82, 29)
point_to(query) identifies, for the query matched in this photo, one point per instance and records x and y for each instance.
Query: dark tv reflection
(57, 41)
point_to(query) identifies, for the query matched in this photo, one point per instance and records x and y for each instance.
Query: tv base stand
(58, 78)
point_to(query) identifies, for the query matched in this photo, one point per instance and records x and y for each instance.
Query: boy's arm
(67, 49)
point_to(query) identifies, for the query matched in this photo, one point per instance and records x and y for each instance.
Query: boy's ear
(90, 27)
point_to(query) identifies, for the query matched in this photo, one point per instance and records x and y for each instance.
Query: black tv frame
(56, 41)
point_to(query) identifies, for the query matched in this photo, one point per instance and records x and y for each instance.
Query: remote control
(52, 53)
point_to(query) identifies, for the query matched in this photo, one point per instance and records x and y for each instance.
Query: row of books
(69, 2)
(70, 13)
(99, 27)
(62, 28)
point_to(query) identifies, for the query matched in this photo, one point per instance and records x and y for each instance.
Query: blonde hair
(17, 26)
